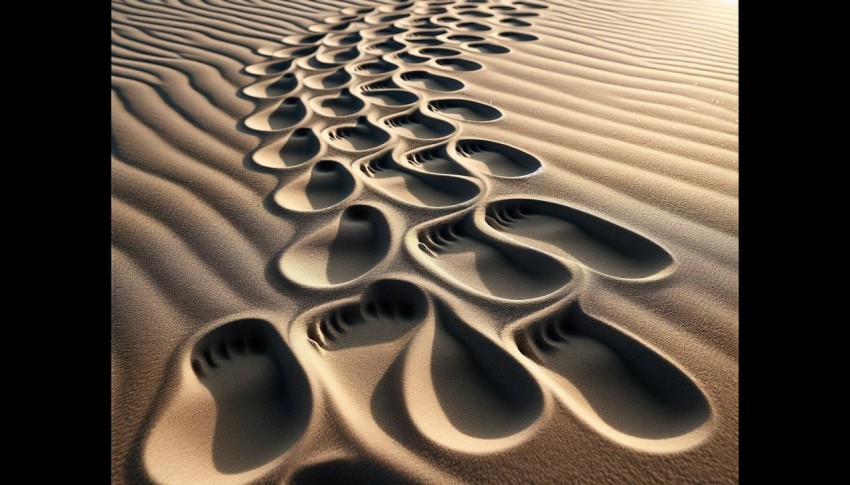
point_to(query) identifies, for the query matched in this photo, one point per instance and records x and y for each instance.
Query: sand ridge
(446, 312)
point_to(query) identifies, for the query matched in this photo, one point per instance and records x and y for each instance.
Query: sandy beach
(472, 241)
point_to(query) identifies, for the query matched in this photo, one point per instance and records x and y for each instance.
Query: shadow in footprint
(474, 26)
(631, 387)
(418, 125)
(393, 97)
(410, 58)
(353, 472)
(415, 187)
(436, 159)
(517, 36)
(484, 392)
(327, 184)
(497, 158)
(387, 311)
(265, 68)
(262, 397)
(517, 23)
(289, 112)
(272, 89)
(561, 230)
(464, 109)
(487, 48)
(459, 65)
(332, 80)
(336, 255)
(342, 105)
(360, 137)
(459, 250)
(434, 82)
(439, 52)
(372, 68)
(301, 146)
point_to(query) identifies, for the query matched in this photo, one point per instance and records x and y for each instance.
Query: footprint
(416, 187)
(473, 26)
(342, 253)
(387, 311)
(438, 52)
(393, 97)
(530, 5)
(301, 146)
(517, 23)
(288, 113)
(262, 398)
(301, 39)
(503, 8)
(360, 137)
(519, 37)
(464, 109)
(436, 159)
(391, 30)
(421, 40)
(434, 82)
(392, 18)
(343, 40)
(351, 472)
(488, 48)
(372, 68)
(497, 158)
(327, 184)
(563, 231)
(344, 104)
(465, 38)
(418, 125)
(332, 80)
(313, 64)
(476, 13)
(339, 56)
(410, 58)
(265, 68)
(523, 14)
(459, 65)
(627, 384)
(272, 88)
(386, 83)
(448, 19)
(463, 390)
(384, 46)
(459, 251)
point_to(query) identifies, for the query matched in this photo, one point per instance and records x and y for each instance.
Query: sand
(473, 241)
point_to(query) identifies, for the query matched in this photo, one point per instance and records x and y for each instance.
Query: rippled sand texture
(472, 241)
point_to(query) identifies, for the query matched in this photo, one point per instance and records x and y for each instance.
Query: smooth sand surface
(472, 241)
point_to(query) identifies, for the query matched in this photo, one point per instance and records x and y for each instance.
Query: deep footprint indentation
(374, 68)
(393, 97)
(339, 254)
(418, 125)
(262, 397)
(465, 38)
(475, 26)
(459, 250)
(327, 184)
(410, 58)
(360, 137)
(273, 88)
(332, 80)
(385, 46)
(273, 66)
(288, 113)
(351, 472)
(387, 311)
(627, 384)
(561, 230)
(436, 159)
(518, 36)
(433, 82)
(460, 65)
(459, 385)
(414, 187)
(439, 52)
(301, 146)
(464, 109)
(497, 158)
(488, 48)
(344, 104)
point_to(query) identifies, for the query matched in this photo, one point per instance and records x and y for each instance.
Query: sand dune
(454, 241)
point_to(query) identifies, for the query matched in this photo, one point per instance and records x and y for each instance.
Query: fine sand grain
(457, 241)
